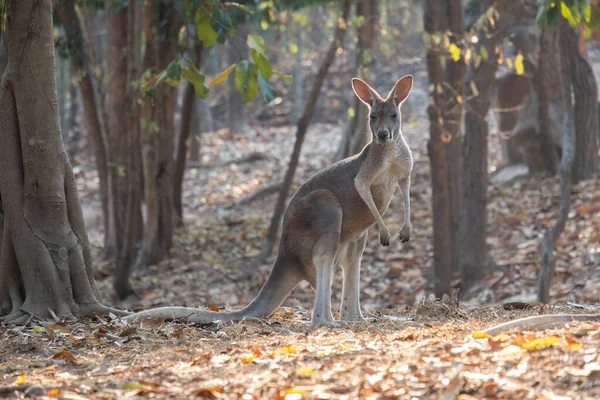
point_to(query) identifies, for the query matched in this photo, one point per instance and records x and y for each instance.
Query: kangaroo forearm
(365, 194)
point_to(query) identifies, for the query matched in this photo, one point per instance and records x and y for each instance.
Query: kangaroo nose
(383, 134)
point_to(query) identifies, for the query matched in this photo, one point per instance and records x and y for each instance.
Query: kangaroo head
(384, 114)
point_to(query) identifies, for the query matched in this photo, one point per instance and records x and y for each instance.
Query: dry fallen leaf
(540, 343)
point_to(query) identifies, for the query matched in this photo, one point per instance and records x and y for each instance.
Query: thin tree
(77, 46)
(302, 127)
(157, 119)
(46, 264)
(445, 115)
(577, 81)
(355, 135)
(185, 128)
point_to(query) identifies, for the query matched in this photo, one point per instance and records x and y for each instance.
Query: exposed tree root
(541, 322)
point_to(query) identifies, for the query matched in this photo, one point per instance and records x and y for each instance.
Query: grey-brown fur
(327, 220)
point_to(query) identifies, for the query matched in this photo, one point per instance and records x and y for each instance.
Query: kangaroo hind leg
(350, 308)
(326, 223)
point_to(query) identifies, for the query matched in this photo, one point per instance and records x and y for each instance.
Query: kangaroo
(327, 220)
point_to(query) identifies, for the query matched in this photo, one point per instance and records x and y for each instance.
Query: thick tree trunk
(567, 77)
(83, 67)
(433, 21)
(157, 138)
(187, 111)
(238, 49)
(46, 263)
(355, 135)
(302, 127)
(473, 259)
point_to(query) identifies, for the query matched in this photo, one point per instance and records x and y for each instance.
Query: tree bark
(302, 127)
(157, 136)
(117, 131)
(567, 76)
(124, 67)
(187, 111)
(453, 118)
(473, 260)
(542, 82)
(437, 146)
(585, 90)
(46, 262)
(83, 68)
(238, 49)
(355, 135)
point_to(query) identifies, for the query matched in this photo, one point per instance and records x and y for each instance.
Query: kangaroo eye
(373, 118)
(394, 116)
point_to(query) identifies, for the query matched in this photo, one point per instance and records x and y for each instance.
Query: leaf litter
(414, 348)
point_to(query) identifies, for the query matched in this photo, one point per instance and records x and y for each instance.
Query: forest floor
(415, 348)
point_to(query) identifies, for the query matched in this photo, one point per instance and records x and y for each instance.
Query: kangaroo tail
(283, 278)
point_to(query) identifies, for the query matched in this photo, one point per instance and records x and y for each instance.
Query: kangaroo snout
(383, 134)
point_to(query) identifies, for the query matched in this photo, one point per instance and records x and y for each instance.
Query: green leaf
(174, 70)
(194, 76)
(222, 24)
(222, 76)
(286, 78)
(266, 89)
(454, 51)
(204, 29)
(553, 14)
(483, 52)
(594, 17)
(263, 64)
(565, 11)
(256, 42)
(541, 17)
(246, 75)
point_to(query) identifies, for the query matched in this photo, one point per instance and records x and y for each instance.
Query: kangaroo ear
(364, 92)
(401, 90)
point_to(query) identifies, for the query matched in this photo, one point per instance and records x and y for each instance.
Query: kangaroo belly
(357, 217)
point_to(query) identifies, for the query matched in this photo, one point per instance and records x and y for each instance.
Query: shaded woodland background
(189, 124)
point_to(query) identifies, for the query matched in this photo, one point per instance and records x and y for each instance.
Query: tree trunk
(157, 136)
(302, 127)
(542, 81)
(238, 49)
(187, 110)
(124, 67)
(202, 121)
(355, 135)
(117, 130)
(585, 89)
(437, 146)
(63, 78)
(453, 118)
(473, 259)
(83, 68)
(298, 81)
(46, 262)
(3, 55)
(567, 77)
